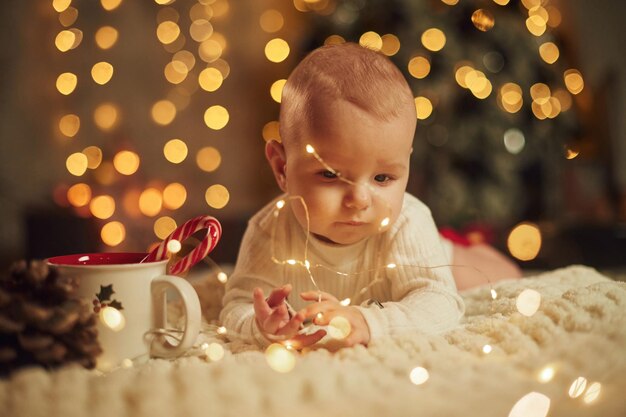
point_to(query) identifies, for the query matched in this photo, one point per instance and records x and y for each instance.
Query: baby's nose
(358, 196)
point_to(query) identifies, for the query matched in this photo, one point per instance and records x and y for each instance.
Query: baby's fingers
(317, 296)
(278, 295)
(292, 326)
(303, 340)
(272, 323)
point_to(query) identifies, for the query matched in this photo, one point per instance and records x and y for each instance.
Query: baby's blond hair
(349, 72)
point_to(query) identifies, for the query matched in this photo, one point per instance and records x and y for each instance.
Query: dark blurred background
(121, 119)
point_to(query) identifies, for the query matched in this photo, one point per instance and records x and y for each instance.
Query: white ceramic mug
(129, 297)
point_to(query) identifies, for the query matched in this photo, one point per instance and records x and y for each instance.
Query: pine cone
(42, 322)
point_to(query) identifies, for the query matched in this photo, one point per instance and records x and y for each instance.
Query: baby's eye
(328, 174)
(382, 178)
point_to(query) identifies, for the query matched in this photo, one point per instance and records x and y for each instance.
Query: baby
(348, 230)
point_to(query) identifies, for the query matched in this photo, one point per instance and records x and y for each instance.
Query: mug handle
(161, 347)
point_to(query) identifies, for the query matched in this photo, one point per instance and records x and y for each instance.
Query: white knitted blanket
(580, 330)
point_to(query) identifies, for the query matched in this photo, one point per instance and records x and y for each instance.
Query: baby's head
(356, 111)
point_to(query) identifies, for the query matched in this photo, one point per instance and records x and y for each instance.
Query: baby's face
(372, 155)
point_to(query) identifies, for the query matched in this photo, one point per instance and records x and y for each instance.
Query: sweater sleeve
(254, 268)
(423, 292)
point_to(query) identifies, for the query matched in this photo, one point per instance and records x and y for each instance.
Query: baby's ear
(275, 154)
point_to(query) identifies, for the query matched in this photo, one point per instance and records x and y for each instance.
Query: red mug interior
(112, 258)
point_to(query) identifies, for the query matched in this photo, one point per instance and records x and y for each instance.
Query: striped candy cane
(213, 235)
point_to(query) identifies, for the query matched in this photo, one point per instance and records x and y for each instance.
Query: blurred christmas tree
(493, 97)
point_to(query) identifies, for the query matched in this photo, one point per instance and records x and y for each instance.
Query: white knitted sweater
(417, 295)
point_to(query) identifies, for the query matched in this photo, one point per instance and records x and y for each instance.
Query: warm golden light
(65, 40)
(540, 93)
(79, 195)
(186, 58)
(210, 79)
(371, 40)
(208, 159)
(102, 206)
(216, 117)
(554, 16)
(564, 98)
(334, 40)
(549, 52)
(175, 151)
(339, 328)
(105, 174)
(175, 72)
(433, 39)
(510, 97)
(109, 5)
(214, 352)
(113, 233)
(391, 44)
(573, 81)
(578, 387)
(461, 74)
(61, 5)
(279, 358)
(167, 32)
(419, 375)
(210, 50)
(163, 112)
(66, 83)
(487, 349)
(524, 241)
(419, 67)
(528, 302)
(69, 125)
(163, 226)
(174, 246)
(423, 107)
(271, 21)
(533, 404)
(174, 196)
(593, 392)
(536, 25)
(222, 277)
(126, 162)
(271, 131)
(276, 90)
(222, 66)
(106, 116)
(102, 72)
(217, 196)
(106, 37)
(450, 2)
(68, 16)
(112, 318)
(200, 30)
(94, 156)
(150, 202)
(546, 374)
(76, 164)
(483, 20)
(277, 50)
(501, 2)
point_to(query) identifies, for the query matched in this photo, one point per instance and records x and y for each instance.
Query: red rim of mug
(101, 259)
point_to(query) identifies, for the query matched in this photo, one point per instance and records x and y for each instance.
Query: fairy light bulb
(487, 349)
(528, 302)
(174, 246)
(494, 294)
(533, 404)
(578, 387)
(592, 393)
(291, 261)
(310, 149)
(280, 204)
(112, 318)
(546, 374)
(385, 222)
(222, 277)
(391, 266)
(419, 375)
(221, 330)
(279, 358)
(345, 302)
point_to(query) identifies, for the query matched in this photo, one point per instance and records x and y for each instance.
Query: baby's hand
(322, 312)
(274, 321)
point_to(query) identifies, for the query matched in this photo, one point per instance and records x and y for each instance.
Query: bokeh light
(102, 206)
(483, 20)
(106, 37)
(61, 5)
(174, 196)
(419, 375)
(69, 125)
(94, 156)
(66, 83)
(419, 67)
(574, 81)
(391, 44)
(163, 226)
(216, 117)
(68, 16)
(210, 79)
(109, 5)
(217, 196)
(423, 107)
(113, 233)
(271, 21)
(150, 202)
(279, 358)
(549, 52)
(528, 302)
(277, 50)
(577, 387)
(371, 40)
(533, 404)
(163, 112)
(102, 72)
(106, 116)
(524, 241)
(276, 90)
(271, 131)
(76, 164)
(208, 159)
(79, 195)
(175, 151)
(167, 32)
(433, 39)
(200, 30)
(65, 40)
(126, 162)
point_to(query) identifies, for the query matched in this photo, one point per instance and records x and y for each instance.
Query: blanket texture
(579, 330)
